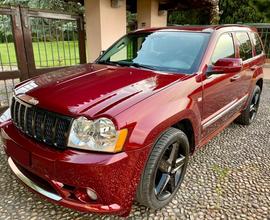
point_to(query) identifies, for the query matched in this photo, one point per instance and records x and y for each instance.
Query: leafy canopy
(240, 11)
(56, 5)
(231, 11)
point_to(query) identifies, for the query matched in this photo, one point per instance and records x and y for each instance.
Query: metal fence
(9, 69)
(33, 42)
(55, 42)
(8, 60)
(265, 35)
(264, 32)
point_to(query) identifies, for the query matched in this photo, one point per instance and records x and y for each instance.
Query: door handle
(236, 77)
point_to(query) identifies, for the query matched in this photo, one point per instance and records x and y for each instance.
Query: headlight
(99, 135)
(5, 116)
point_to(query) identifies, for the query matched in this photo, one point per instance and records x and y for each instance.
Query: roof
(199, 28)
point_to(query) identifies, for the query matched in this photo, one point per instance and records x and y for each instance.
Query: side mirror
(226, 65)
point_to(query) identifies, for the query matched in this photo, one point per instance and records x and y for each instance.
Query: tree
(264, 7)
(240, 11)
(224, 12)
(191, 16)
(214, 12)
(59, 5)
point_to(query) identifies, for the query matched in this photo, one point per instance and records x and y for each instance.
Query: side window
(245, 45)
(257, 43)
(126, 49)
(224, 48)
(122, 52)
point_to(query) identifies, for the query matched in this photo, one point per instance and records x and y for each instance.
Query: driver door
(218, 95)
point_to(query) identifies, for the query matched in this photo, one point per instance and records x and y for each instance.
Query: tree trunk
(214, 12)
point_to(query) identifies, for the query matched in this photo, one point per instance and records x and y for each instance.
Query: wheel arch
(186, 121)
(186, 126)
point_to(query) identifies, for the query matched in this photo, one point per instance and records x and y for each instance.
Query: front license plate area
(18, 154)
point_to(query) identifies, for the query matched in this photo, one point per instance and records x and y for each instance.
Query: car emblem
(33, 101)
(28, 99)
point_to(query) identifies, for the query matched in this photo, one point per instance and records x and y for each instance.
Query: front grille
(44, 126)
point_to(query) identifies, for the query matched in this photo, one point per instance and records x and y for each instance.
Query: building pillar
(105, 23)
(149, 15)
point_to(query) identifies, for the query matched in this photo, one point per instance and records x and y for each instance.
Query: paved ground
(227, 179)
(267, 71)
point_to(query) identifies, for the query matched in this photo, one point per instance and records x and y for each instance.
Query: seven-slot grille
(44, 126)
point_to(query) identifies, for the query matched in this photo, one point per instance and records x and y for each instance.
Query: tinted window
(224, 48)
(171, 51)
(245, 45)
(257, 43)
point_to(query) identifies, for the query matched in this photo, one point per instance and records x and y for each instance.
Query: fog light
(92, 194)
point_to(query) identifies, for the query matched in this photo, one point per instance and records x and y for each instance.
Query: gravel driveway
(227, 179)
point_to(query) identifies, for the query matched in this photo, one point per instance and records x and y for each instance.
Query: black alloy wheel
(254, 106)
(249, 114)
(165, 169)
(169, 172)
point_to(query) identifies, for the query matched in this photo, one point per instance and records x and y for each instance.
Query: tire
(166, 167)
(249, 114)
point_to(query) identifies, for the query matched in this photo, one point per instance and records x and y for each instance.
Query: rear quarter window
(257, 43)
(245, 46)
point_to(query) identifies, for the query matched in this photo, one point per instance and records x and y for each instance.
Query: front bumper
(63, 176)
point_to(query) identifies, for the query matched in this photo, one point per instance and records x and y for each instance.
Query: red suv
(95, 136)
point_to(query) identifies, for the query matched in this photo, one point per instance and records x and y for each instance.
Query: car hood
(93, 89)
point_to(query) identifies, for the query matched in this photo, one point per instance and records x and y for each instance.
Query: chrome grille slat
(19, 115)
(25, 117)
(33, 123)
(12, 107)
(16, 111)
(40, 124)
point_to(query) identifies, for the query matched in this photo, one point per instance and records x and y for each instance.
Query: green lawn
(49, 54)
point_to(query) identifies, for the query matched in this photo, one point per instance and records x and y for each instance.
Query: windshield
(171, 51)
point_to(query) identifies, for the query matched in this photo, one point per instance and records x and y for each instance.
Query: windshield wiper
(108, 62)
(125, 63)
(139, 65)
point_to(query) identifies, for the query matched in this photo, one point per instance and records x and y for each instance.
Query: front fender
(148, 119)
(147, 123)
(155, 132)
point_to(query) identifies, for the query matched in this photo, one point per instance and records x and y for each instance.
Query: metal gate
(33, 42)
(264, 32)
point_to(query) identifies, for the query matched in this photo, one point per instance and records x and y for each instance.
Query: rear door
(242, 80)
(259, 56)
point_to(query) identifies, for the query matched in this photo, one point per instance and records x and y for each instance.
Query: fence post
(28, 44)
(81, 35)
(19, 43)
